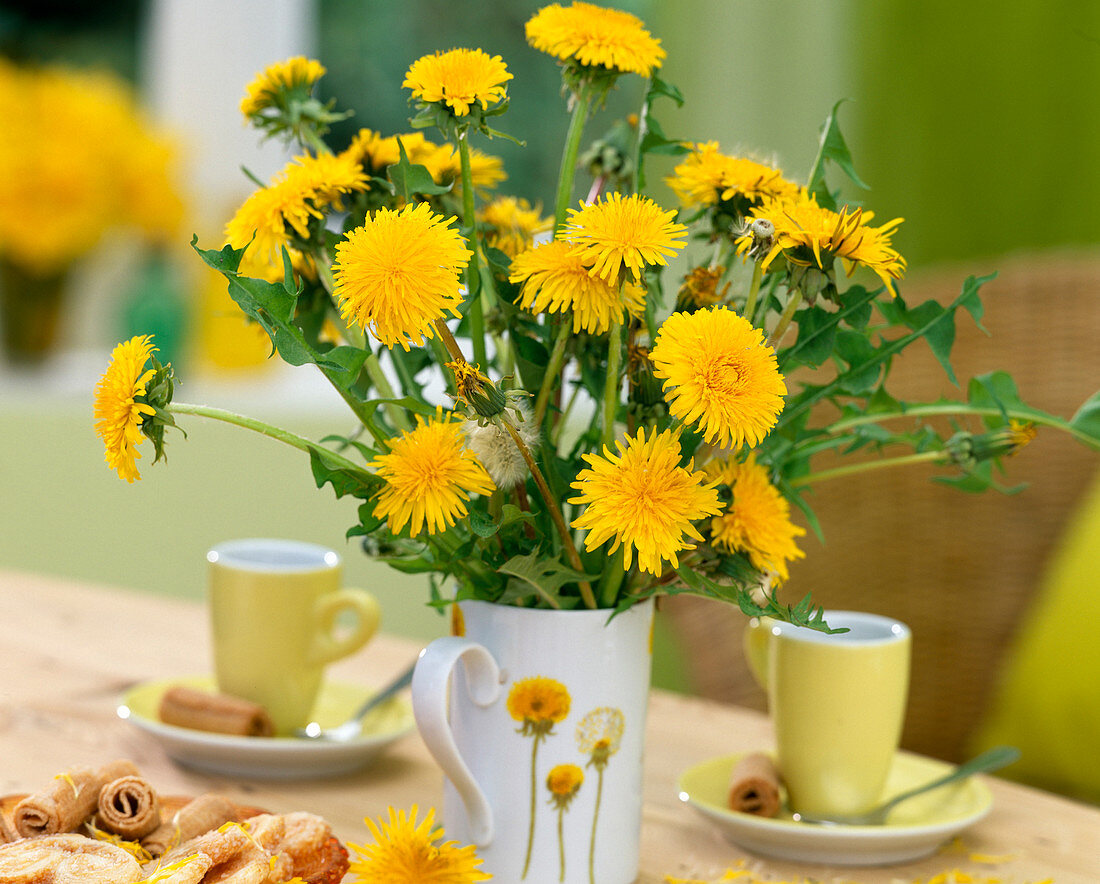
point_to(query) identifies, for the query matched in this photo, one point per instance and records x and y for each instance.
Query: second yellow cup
(837, 703)
(274, 607)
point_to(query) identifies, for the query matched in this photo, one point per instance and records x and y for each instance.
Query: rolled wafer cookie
(128, 807)
(183, 706)
(68, 801)
(193, 819)
(754, 786)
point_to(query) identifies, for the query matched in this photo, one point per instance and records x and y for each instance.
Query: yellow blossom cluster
(77, 159)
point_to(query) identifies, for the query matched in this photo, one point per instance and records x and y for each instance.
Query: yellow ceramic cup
(274, 607)
(837, 703)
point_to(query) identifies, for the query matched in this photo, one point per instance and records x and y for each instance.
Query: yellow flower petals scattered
(720, 373)
(594, 36)
(399, 273)
(118, 416)
(459, 79)
(410, 852)
(429, 476)
(643, 499)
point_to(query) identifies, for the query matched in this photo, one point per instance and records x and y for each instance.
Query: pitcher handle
(430, 693)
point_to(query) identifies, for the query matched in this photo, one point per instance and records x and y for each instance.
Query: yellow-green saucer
(272, 757)
(915, 828)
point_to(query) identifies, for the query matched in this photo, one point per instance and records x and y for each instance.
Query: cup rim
(867, 630)
(271, 555)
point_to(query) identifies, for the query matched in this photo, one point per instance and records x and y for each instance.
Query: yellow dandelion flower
(555, 280)
(564, 780)
(707, 177)
(757, 521)
(267, 89)
(399, 273)
(512, 224)
(269, 219)
(643, 499)
(600, 733)
(719, 373)
(593, 36)
(118, 414)
(700, 288)
(429, 476)
(458, 79)
(486, 170)
(538, 703)
(410, 852)
(810, 235)
(623, 234)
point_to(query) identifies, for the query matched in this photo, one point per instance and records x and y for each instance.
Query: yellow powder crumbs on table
(742, 875)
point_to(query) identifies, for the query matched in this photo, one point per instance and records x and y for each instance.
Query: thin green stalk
(754, 291)
(794, 299)
(957, 408)
(569, 157)
(555, 436)
(553, 369)
(265, 429)
(554, 511)
(473, 273)
(595, 820)
(310, 138)
(868, 466)
(612, 579)
(611, 388)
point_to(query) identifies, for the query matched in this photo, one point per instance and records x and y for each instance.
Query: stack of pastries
(108, 825)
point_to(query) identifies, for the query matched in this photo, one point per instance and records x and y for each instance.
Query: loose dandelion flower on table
(408, 851)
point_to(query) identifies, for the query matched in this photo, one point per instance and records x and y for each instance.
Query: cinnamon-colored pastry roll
(68, 801)
(128, 807)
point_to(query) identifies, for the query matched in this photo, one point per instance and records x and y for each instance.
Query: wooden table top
(68, 650)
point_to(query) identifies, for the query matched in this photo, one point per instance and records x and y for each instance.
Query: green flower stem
(569, 157)
(555, 435)
(561, 842)
(794, 299)
(310, 138)
(381, 383)
(612, 579)
(273, 432)
(611, 388)
(958, 408)
(553, 369)
(555, 512)
(867, 466)
(473, 274)
(754, 291)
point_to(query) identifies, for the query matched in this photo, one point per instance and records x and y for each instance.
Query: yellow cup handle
(327, 645)
(754, 642)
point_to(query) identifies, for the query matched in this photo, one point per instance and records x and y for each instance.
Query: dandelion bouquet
(594, 446)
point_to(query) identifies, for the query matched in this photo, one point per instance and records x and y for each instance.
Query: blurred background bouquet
(79, 162)
(537, 415)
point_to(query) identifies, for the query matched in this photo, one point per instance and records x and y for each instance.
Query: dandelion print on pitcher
(537, 718)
